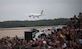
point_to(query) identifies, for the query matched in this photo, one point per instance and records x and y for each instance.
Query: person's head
(75, 16)
(72, 30)
(80, 13)
(64, 30)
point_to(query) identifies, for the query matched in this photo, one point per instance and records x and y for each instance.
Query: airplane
(36, 14)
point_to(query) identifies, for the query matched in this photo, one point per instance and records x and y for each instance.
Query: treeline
(49, 22)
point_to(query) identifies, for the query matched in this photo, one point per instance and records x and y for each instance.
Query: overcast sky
(19, 9)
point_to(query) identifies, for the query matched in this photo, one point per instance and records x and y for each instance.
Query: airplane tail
(42, 12)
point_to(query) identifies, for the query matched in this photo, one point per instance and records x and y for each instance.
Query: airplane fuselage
(36, 14)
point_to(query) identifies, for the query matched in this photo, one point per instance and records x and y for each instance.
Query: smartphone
(44, 42)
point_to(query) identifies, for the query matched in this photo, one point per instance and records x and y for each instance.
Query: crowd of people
(66, 38)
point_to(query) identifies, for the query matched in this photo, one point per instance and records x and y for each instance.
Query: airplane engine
(29, 16)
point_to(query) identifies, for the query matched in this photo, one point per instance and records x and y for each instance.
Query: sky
(52, 9)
